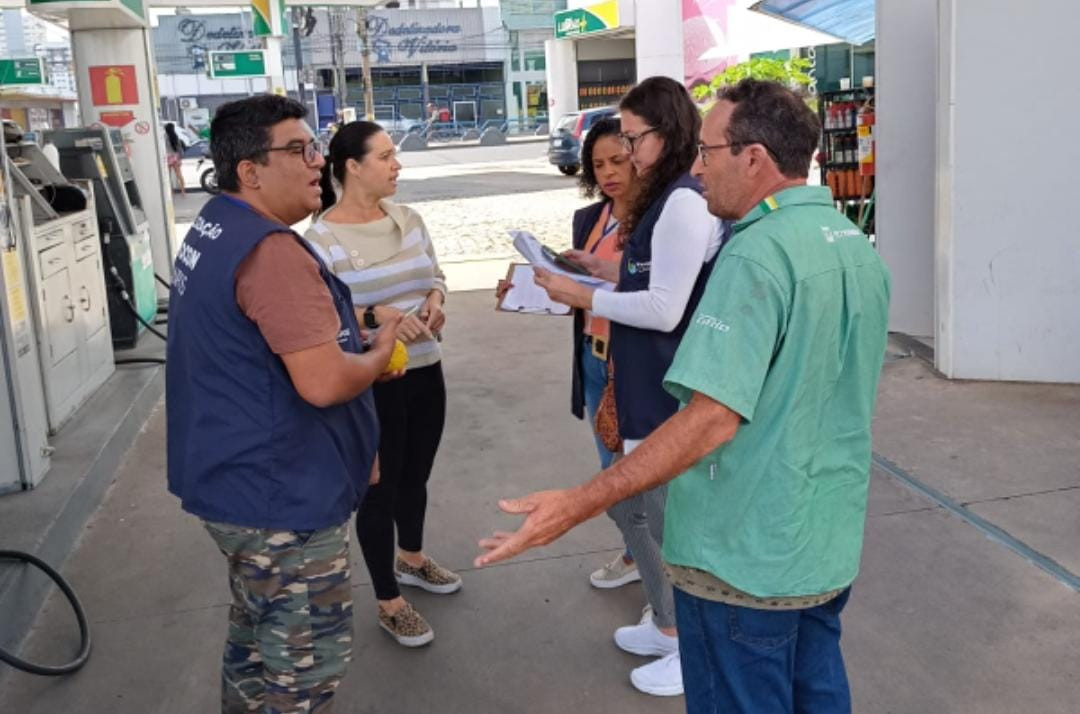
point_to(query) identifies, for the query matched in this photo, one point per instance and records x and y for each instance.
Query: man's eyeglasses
(629, 141)
(310, 152)
(703, 149)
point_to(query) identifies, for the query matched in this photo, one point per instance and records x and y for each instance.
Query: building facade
(529, 24)
(453, 57)
(602, 48)
(42, 106)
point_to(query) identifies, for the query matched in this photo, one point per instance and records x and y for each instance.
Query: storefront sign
(22, 71)
(411, 39)
(237, 65)
(405, 38)
(113, 84)
(181, 42)
(587, 20)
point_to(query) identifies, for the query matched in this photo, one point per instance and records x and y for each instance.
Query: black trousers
(412, 411)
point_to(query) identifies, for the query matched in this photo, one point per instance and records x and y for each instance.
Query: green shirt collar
(794, 196)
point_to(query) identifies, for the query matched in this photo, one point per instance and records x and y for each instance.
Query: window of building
(534, 61)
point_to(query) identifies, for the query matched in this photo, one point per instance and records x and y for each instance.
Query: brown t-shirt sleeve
(279, 288)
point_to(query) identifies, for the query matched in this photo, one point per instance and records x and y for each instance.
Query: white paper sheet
(528, 297)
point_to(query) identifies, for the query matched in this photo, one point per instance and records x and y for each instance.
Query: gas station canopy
(849, 20)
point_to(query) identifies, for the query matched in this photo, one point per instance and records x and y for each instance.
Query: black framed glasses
(310, 151)
(629, 141)
(703, 149)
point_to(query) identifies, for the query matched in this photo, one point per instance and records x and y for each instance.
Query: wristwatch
(369, 318)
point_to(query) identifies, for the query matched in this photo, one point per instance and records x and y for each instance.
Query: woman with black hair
(607, 173)
(383, 252)
(670, 242)
(174, 154)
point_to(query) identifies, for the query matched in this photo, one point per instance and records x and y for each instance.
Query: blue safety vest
(641, 357)
(243, 446)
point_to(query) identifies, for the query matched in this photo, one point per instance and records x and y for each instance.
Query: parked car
(564, 143)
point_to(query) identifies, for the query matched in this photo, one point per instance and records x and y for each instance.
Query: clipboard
(526, 297)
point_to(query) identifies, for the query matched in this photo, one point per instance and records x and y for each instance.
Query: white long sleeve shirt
(685, 236)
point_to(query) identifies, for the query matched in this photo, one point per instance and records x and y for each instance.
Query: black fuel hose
(80, 615)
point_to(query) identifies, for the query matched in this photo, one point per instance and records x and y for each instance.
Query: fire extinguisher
(865, 132)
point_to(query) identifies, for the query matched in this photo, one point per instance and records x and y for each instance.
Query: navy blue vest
(584, 220)
(244, 447)
(642, 357)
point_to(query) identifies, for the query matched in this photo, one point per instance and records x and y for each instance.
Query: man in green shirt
(777, 374)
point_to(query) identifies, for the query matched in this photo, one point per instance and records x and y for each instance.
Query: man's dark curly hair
(608, 126)
(770, 114)
(241, 131)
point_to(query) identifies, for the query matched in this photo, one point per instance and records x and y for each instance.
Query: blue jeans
(594, 379)
(737, 660)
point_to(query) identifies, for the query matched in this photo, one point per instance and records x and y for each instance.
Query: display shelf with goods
(847, 150)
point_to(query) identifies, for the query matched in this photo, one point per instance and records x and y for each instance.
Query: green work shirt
(790, 334)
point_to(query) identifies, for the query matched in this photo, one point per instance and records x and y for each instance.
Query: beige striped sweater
(386, 262)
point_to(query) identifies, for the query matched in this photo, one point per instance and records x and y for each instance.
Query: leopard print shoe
(430, 576)
(406, 626)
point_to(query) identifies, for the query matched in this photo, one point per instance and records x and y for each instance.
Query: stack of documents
(528, 297)
(533, 251)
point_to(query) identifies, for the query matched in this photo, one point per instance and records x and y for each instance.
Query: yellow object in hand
(399, 358)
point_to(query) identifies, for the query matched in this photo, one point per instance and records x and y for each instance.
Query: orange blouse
(602, 243)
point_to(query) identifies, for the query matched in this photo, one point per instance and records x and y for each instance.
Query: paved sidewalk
(942, 618)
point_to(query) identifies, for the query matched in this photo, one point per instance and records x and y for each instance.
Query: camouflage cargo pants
(290, 623)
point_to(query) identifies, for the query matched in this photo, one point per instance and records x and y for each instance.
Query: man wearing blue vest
(272, 432)
(777, 376)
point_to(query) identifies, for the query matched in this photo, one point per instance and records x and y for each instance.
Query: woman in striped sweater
(384, 253)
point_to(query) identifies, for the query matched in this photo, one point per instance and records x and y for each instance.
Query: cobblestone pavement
(476, 228)
(470, 207)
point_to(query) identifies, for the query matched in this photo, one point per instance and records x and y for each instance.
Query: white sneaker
(646, 639)
(662, 678)
(615, 574)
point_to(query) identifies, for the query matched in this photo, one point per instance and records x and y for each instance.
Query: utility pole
(362, 30)
(297, 20)
(337, 54)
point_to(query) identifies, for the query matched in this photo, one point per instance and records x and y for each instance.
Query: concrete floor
(942, 619)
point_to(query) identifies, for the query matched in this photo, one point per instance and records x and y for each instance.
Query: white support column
(1007, 258)
(905, 136)
(658, 39)
(560, 58)
(275, 67)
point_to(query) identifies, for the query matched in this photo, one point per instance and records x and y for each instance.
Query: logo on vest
(188, 256)
(713, 323)
(344, 335)
(635, 268)
(206, 229)
(831, 234)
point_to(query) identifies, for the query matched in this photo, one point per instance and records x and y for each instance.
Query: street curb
(439, 146)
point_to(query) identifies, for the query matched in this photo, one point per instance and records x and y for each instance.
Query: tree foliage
(791, 72)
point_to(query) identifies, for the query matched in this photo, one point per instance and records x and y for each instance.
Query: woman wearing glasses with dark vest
(670, 242)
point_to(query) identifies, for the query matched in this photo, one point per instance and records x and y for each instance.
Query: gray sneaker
(615, 574)
(430, 576)
(406, 626)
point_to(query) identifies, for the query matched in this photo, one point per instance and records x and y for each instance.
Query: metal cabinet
(71, 309)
